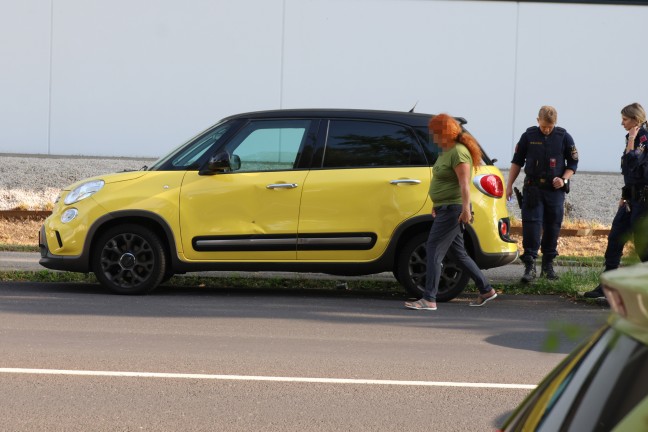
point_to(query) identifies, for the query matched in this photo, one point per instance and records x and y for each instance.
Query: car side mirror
(221, 162)
(235, 163)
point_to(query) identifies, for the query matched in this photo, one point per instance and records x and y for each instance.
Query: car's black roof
(411, 118)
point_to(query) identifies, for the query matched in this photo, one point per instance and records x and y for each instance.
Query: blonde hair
(445, 125)
(548, 114)
(635, 112)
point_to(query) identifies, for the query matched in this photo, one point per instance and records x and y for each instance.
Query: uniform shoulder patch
(574, 153)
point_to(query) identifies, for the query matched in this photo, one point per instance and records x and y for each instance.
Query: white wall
(24, 75)
(136, 78)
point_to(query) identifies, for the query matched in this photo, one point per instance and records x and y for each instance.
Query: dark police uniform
(634, 167)
(543, 158)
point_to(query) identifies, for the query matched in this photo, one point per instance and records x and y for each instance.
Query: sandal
(482, 299)
(421, 305)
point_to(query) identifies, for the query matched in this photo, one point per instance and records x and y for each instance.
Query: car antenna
(412, 110)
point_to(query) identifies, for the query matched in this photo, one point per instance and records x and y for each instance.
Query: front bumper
(78, 263)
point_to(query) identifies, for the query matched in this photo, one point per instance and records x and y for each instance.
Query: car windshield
(188, 155)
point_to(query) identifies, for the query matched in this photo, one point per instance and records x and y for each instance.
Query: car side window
(269, 145)
(363, 144)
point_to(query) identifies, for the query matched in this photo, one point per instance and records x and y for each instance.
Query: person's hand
(433, 212)
(465, 216)
(621, 202)
(509, 192)
(632, 134)
(558, 182)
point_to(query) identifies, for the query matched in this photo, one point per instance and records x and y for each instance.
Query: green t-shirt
(445, 188)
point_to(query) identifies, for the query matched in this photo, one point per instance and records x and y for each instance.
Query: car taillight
(489, 184)
(616, 301)
(504, 229)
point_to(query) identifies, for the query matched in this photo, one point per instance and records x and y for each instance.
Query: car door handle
(282, 186)
(405, 181)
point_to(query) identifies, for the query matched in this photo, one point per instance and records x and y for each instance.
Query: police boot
(596, 293)
(529, 271)
(547, 269)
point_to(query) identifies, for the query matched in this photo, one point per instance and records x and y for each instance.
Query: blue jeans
(446, 237)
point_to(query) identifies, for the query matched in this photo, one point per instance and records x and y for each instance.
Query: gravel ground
(33, 182)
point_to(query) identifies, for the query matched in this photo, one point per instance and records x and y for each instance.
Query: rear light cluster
(489, 184)
(504, 229)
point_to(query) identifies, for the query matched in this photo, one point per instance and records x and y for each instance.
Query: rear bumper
(486, 261)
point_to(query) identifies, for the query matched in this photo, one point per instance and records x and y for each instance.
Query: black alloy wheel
(129, 259)
(412, 268)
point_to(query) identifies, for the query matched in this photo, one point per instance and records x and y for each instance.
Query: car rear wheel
(412, 267)
(129, 259)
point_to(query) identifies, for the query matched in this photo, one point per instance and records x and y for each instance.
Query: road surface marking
(263, 378)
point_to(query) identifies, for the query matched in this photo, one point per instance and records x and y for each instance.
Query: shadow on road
(529, 315)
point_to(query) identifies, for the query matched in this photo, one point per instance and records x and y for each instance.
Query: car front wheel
(129, 259)
(411, 269)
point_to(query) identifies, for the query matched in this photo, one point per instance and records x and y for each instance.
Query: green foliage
(641, 241)
(560, 331)
(570, 284)
(45, 276)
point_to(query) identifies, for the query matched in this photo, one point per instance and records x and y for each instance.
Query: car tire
(411, 269)
(129, 259)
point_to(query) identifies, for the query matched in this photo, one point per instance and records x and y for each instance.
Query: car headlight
(83, 191)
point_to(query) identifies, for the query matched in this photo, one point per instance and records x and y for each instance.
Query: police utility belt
(544, 183)
(635, 192)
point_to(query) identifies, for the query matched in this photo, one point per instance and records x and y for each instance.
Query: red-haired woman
(450, 193)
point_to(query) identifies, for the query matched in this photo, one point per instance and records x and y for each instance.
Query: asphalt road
(75, 358)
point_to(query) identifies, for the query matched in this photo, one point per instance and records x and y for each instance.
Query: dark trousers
(624, 226)
(446, 237)
(542, 215)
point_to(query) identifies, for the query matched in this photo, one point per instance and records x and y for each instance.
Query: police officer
(549, 157)
(633, 206)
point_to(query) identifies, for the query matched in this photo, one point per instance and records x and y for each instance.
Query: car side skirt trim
(238, 243)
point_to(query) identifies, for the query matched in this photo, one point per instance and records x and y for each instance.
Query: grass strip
(570, 285)
(4, 247)
(223, 282)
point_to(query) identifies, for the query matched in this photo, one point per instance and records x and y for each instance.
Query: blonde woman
(633, 205)
(450, 193)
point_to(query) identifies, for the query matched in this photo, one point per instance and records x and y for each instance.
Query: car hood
(110, 178)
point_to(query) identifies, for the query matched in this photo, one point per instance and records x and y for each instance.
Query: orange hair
(447, 126)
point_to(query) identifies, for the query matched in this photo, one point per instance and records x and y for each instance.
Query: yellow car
(603, 384)
(334, 191)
